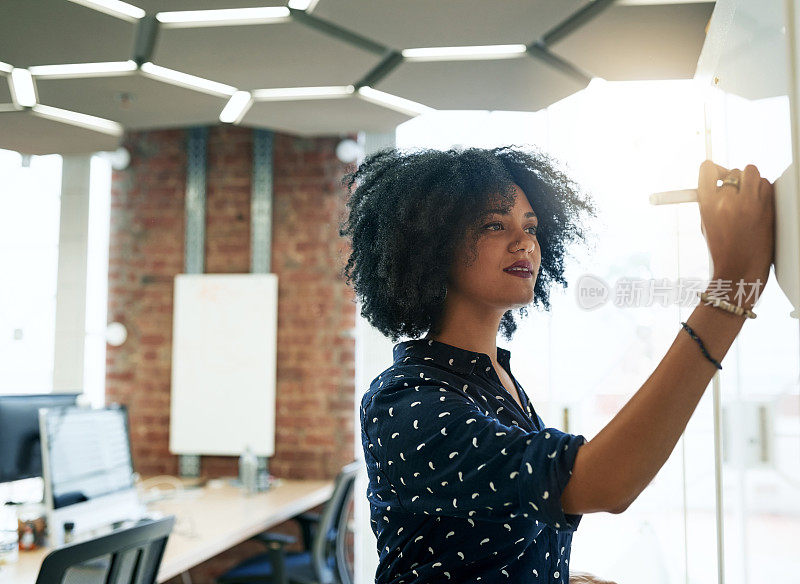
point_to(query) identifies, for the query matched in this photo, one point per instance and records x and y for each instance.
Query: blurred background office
(215, 143)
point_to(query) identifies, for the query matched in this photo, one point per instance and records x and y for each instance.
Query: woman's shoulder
(402, 380)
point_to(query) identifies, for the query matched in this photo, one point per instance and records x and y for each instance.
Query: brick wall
(145, 253)
(316, 311)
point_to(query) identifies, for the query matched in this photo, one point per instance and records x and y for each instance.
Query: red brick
(316, 310)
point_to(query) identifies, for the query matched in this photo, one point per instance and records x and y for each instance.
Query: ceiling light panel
(524, 84)
(484, 52)
(23, 91)
(155, 6)
(298, 93)
(394, 102)
(223, 17)
(78, 119)
(32, 133)
(77, 70)
(625, 43)
(287, 55)
(405, 24)
(236, 107)
(186, 80)
(53, 33)
(136, 101)
(115, 8)
(651, 2)
(304, 5)
(323, 117)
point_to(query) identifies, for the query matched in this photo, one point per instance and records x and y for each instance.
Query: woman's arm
(612, 469)
(437, 451)
(616, 465)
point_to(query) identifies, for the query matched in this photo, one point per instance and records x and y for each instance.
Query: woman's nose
(524, 243)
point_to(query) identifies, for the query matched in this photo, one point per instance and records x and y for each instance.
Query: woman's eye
(534, 227)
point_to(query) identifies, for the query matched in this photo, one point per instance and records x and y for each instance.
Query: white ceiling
(48, 32)
(31, 133)
(322, 117)
(449, 23)
(5, 90)
(125, 98)
(522, 84)
(286, 54)
(337, 43)
(652, 42)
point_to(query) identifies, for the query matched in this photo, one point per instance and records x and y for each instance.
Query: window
(30, 220)
(624, 141)
(29, 227)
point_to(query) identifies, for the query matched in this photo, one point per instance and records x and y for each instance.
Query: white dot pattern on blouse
(464, 485)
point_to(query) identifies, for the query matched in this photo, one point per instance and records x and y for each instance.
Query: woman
(467, 483)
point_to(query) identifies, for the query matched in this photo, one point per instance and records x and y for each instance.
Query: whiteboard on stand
(224, 350)
(752, 51)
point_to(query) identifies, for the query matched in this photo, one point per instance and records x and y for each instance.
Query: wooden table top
(209, 520)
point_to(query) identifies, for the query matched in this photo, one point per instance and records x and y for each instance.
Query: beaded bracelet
(725, 305)
(692, 334)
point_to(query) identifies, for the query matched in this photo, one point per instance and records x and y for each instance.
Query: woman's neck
(468, 327)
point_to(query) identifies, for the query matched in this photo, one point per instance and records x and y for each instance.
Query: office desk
(208, 521)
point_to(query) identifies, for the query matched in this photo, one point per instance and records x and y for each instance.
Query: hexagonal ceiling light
(139, 98)
(326, 110)
(190, 63)
(294, 82)
(32, 128)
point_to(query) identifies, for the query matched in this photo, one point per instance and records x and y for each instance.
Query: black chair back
(125, 556)
(344, 543)
(330, 523)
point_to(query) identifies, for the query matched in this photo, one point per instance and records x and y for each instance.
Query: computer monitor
(88, 469)
(20, 449)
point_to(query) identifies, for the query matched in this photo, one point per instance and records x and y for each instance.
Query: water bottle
(9, 536)
(248, 468)
(262, 474)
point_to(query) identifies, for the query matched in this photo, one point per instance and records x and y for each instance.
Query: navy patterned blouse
(464, 486)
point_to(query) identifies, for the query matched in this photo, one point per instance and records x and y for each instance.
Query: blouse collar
(449, 356)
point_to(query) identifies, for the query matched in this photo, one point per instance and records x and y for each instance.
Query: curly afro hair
(411, 210)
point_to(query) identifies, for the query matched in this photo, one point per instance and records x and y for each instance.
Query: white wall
(72, 270)
(373, 355)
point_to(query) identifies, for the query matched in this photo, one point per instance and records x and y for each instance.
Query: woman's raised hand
(739, 227)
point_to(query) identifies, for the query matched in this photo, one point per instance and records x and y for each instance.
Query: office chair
(323, 561)
(125, 556)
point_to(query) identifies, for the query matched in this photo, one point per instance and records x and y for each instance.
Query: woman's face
(503, 239)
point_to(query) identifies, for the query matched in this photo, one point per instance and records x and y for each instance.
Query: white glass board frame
(224, 352)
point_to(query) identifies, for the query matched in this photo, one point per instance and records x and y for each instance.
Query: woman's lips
(519, 273)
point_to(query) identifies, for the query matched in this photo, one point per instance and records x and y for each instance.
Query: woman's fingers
(766, 193)
(710, 173)
(737, 223)
(749, 180)
(766, 190)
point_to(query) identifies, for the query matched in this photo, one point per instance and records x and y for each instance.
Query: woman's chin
(519, 302)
